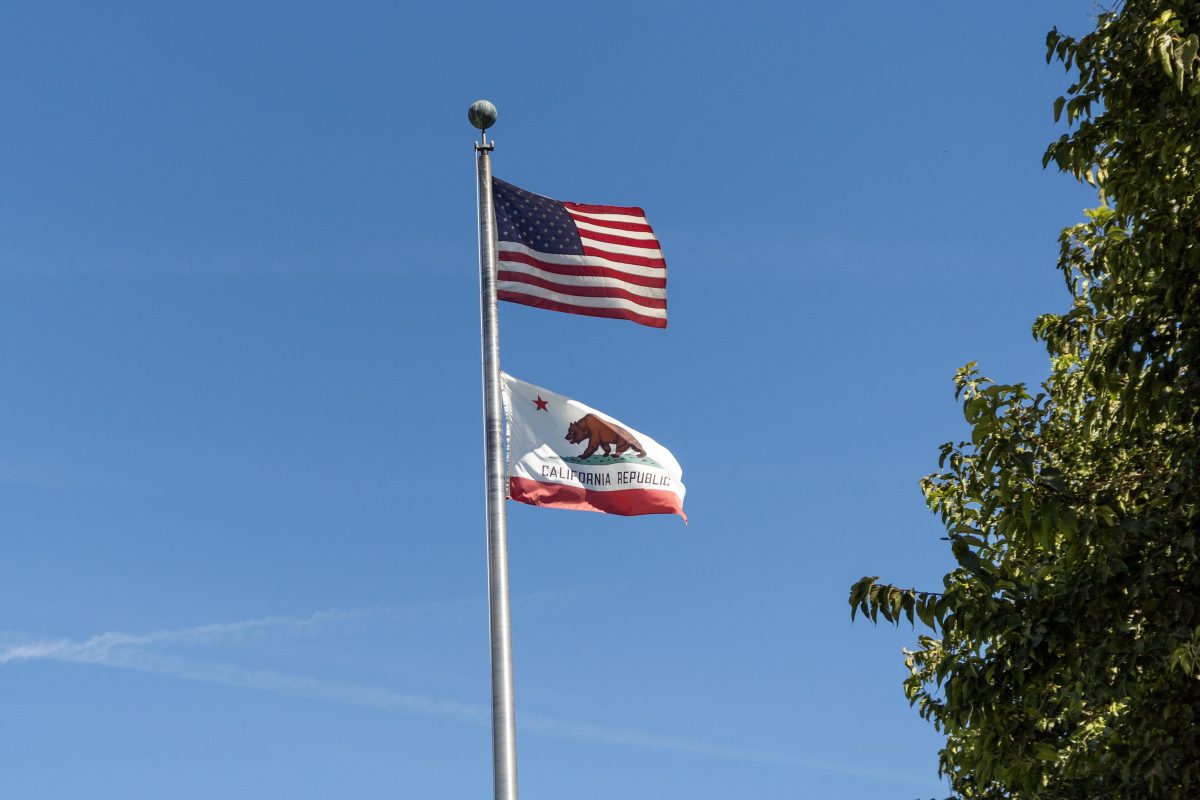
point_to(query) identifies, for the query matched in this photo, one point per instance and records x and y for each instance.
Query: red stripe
(589, 311)
(627, 502)
(581, 291)
(586, 208)
(580, 269)
(624, 258)
(645, 244)
(643, 227)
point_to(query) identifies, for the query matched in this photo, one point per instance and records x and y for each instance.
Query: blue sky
(241, 498)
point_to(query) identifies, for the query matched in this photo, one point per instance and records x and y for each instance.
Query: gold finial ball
(482, 114)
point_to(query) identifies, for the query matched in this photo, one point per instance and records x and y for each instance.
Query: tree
(1062, 657)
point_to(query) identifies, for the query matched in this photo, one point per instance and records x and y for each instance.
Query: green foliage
(1062, 658)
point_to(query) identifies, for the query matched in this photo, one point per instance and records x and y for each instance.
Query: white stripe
(588, 215)
(647, 252)
(583, 226)
(585, 280)
(587, 302)
(582, 261)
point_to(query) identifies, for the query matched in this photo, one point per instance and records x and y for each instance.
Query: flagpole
(482, 115)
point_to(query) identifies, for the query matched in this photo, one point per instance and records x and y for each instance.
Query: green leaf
(1045, 752)
(1166, 56)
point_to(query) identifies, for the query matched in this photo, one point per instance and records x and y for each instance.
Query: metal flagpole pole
(504, 729)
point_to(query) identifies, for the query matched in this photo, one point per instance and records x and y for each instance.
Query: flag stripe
(582, 265)
(621, 244)
(610, 252)
(582, 300)
(519, 272)
(626, 231)
(516, 281)
(630, 227)
(590, 311)
(616, 225)
(627, 502)
(630, 213)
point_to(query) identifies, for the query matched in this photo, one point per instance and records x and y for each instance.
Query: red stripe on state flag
(627, 502)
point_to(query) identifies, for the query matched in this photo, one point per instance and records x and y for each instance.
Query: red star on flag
(541, 404)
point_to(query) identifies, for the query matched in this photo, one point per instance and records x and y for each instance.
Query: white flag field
(563, 454)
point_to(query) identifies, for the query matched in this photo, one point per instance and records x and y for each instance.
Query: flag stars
(541, 404)
(536, 222)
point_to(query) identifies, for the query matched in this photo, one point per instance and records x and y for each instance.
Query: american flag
(602, 261)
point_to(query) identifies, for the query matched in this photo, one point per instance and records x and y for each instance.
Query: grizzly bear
(602, 434)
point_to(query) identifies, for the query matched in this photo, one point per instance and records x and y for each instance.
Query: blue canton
(537, 222)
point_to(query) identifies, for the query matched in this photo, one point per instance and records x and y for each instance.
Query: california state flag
(564, 454)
